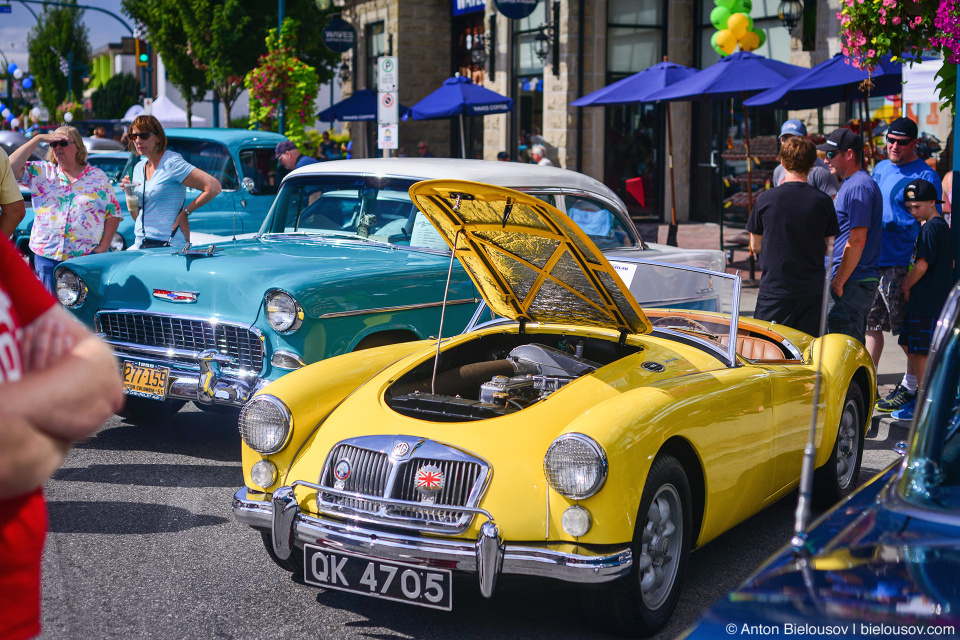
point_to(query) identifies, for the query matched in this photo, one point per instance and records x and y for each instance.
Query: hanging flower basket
(75, 109)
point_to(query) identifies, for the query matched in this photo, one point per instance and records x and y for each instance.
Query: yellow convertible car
(602, 421)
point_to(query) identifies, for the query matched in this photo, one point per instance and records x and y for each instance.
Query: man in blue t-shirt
(899, 234)
(857, 247)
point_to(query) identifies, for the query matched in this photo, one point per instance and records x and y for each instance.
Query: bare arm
(917, 272)
(10, 216)
(947, 185)
(18, 159)
(209, 188)
(109, 228)
(755, 242)
(851, 258)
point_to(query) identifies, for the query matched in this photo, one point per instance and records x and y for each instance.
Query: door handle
(713, 161)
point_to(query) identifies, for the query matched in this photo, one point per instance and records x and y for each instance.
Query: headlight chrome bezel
(270, 297)
(80, 293)
(551, 467)
(286, 424)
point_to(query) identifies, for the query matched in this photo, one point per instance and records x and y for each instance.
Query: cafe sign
(516, 9)
(339, 35)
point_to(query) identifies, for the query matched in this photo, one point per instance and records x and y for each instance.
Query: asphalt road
(142, 544)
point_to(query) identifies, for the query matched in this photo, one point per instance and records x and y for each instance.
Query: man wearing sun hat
(819, 175)
(856, 248)
(900, 231)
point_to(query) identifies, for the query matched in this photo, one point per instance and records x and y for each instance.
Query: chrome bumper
(488, 556)
(209, 385)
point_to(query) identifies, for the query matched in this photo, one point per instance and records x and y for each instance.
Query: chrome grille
(185, 334)
(374, 474)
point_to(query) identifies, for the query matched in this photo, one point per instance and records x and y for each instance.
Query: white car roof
(504, 174)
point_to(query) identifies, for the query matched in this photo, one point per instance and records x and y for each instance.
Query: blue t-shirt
(161, 198)
(303, 161)
(859, 204)
(899, 227)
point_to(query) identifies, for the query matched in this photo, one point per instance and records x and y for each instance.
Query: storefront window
(527, 90)
(376, 46)
(634, 135)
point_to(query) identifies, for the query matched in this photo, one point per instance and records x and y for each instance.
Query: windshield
(112, 166)
(932, 477)
(212, 157)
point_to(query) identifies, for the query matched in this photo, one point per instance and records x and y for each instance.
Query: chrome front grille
(375, 473)
(182, 338)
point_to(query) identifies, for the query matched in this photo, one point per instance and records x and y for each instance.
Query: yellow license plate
(145, 380)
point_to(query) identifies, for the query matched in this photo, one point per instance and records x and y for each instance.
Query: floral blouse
(69, 218)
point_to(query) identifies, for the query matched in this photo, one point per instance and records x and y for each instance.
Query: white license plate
(145, 380)
(412, 584)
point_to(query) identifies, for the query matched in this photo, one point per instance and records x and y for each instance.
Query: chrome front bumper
(488, 557)
(209, 385)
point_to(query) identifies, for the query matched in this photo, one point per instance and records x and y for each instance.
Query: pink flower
(871, 53)
(916, 20)
(895, 20)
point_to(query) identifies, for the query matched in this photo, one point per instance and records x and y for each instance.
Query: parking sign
(388, 108)
(388, 78)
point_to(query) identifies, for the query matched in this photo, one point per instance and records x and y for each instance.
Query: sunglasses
(898, 141)
(59, 143)
(831, 154)
(141, 136)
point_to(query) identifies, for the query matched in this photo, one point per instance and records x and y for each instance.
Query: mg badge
(429, 483)
(400, 449)
(342, 470)
(175, 296)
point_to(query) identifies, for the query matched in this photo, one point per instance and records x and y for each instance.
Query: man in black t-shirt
(928, 281)
(793, 225)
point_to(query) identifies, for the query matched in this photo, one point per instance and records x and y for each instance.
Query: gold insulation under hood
(529, 260)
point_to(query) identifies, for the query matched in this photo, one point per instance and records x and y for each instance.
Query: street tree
(166, 33)
(59, 34)
(118, 94)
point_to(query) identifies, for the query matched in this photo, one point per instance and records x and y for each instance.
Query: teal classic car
(241, 160)
(343, 262)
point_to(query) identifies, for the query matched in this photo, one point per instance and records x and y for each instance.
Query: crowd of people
(891, 263)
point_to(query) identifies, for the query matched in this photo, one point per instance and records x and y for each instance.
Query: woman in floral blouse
(76, 211)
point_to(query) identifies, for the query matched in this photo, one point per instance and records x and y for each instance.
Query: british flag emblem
(429, 479)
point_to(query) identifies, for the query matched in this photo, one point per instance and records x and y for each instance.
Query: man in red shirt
(58, 383)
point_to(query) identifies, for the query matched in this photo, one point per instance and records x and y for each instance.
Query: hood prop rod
(443, 309)
(802, 516)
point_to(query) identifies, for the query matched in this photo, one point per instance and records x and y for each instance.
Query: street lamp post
(281, 5)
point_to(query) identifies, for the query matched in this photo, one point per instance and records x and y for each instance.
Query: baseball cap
(841, 139)
(903, 127)
(793, 128)
(503, 155)
(283, 147)
(920, 190)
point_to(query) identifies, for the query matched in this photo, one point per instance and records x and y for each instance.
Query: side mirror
(248, 185)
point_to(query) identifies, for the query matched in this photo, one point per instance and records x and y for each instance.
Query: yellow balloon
(738, 24)
(726, 41)
(750, 41)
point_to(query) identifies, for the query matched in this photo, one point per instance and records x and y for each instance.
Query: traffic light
(140, 50)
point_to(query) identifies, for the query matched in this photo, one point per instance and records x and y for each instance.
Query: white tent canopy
(920, 83)
(168, 113)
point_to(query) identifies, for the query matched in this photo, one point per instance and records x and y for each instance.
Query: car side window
(597, 221)
(259, 166)
(212, 157)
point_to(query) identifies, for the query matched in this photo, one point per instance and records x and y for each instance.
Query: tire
(144, 411)
(293, 564)
(641, 603)
(838, 478)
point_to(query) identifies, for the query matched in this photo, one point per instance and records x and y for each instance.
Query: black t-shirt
(795, 221)
(935, 246)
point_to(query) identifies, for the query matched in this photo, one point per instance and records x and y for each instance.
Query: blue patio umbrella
(362, 105)
(830, 82)
(638, 87)
(459, 96)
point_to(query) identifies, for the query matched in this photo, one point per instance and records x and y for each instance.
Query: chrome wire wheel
(848, 444)
(660, 547)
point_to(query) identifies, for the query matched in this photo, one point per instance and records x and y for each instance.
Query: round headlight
(265, 424)
(575, 466)
(263, 474)
(71, 291)
(283, 312)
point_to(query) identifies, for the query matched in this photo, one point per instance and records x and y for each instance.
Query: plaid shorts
(888, 308)
(917, 333)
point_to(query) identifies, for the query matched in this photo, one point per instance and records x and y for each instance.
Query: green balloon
(716, 47)
(747, 6)
(760, 34)
(726, 4)
(719, 17)
(750, 23)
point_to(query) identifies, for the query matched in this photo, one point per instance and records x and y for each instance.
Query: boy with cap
(819, 175)
(928, 281)
(856, 248)
(899, 233)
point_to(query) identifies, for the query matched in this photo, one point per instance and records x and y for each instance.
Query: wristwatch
(186, 211)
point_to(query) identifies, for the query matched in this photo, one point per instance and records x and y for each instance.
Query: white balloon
(15, 123)
(68, 117)
(18, 74)
(35, 113)
(5, 113)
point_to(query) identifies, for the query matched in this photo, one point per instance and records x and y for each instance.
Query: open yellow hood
(529, 261)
